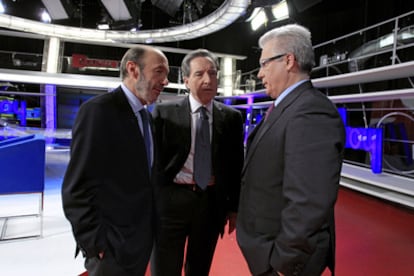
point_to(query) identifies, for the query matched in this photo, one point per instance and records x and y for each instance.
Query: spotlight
(45, 17)
(2, 9)
(103, 26)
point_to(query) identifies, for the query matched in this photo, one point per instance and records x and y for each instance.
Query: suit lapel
(125, 108)
(183, 114)
(218, 124)
(264, 127)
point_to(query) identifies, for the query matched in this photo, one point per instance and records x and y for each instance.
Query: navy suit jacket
(289, 186)
(172, 122)
(107, 193)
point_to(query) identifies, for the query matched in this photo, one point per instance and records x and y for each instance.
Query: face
(274, 72)
(151, 80)
(202, 81)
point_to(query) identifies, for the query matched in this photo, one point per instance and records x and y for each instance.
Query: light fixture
(118, 9)
(259, 20)
(228, 12)
(386, 40)
(45, 17)
(261, 15)
(2, 9)
(56, 9)
(76, 80)
(103, 26)
(280, 11)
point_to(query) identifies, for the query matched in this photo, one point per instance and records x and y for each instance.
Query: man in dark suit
(108, 191)
(189, 212)
(291, 173)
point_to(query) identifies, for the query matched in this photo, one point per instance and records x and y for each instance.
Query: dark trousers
(189, 218)
(107, 266)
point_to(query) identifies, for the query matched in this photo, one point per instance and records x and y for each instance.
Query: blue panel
(22, 164)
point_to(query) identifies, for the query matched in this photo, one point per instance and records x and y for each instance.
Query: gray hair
(293, 39)
(135, 54)
(185, 64)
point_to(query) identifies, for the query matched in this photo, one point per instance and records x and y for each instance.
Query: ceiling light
(259, 20)
(55, 9)
(280, 11)
(45, 17)
(228, 12)
(254, 14)
(117, 9)
(2, 9)
(103, 26)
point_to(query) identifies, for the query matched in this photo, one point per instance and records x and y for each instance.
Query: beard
(143, 88)
(142, 85)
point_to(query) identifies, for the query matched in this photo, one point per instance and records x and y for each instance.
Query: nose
(165, 82)
(206, 78)
(260, 74)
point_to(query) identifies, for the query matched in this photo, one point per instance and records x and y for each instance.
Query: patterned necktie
(202, 150)
(147, 139)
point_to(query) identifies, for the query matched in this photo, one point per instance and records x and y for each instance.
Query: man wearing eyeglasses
(291, 172)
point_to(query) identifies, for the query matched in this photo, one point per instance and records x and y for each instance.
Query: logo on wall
(82, 62)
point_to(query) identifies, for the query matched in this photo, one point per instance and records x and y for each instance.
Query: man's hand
(101, 255)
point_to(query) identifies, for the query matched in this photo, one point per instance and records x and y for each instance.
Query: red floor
(373, 238)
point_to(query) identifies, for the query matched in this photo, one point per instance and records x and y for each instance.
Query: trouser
(189, 217)
(108, 266)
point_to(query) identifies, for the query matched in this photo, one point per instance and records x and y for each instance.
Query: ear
(133, 69)
(290, 61)
(186, 82)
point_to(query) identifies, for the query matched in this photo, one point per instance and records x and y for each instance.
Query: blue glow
(11, 106)
(366, 139)
(342, 113)
(369, 140)
(50, 106)
(249, 113)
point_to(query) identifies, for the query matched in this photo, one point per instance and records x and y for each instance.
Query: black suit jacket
(172, 122)
(290, 182)
(107, 191)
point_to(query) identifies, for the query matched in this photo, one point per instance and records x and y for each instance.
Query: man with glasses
(291, 172)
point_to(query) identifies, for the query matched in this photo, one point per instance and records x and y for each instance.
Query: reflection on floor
(54, 253)
(373, 237)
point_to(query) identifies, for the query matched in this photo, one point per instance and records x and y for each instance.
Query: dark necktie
(202, 150)
(146, 134)
(269, 110)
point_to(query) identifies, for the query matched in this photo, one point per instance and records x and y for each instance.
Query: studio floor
(373, 236)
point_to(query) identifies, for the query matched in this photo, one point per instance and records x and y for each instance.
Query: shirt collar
(133, 101)
(195, 105)
(287, 91)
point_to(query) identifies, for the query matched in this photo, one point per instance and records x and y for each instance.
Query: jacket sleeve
(82, 180)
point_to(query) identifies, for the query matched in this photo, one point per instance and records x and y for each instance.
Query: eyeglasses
(264, 62)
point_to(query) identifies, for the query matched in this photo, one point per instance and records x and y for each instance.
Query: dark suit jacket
(172, 122)
(107, 192)
(290, 181)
